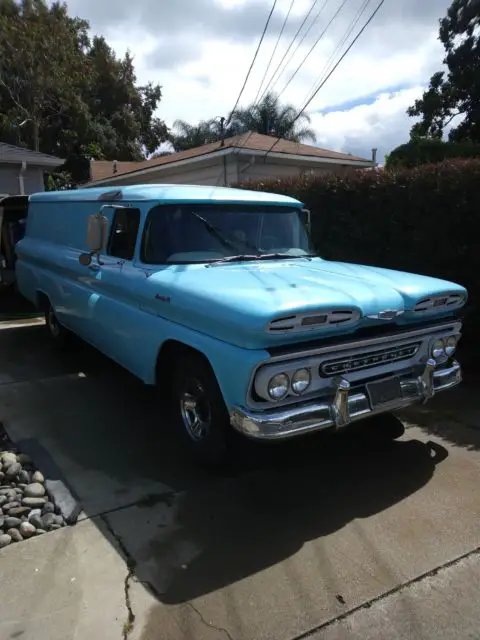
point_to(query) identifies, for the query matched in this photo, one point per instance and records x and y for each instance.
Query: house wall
(10, 184)
(238, 168)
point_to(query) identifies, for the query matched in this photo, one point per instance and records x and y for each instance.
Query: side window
(123, 235)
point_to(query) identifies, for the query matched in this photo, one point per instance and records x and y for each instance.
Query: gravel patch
(27, 509)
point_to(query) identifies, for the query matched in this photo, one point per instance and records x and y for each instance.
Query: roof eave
(230, 151)
(32, 162)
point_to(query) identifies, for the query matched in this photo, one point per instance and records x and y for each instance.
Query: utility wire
(346, 36)
(292, 55)
(322, 84)
(313, 46)
(265, 91)
(274, 50)
(252, 63)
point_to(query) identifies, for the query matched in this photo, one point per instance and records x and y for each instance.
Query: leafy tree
(268, 116)
(430, 151)
(456, 92)
(68, 95)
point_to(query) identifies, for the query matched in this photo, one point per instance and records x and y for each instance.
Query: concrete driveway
(325, 537)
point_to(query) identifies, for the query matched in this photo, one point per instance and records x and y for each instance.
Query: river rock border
(26, 509)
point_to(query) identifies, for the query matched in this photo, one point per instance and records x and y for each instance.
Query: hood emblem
(386, 314)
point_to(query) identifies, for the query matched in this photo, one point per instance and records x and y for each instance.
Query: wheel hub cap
(195, 410)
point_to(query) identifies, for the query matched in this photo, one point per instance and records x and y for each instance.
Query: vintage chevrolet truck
(217, 295)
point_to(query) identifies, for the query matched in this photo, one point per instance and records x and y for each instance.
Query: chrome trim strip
(342, 409)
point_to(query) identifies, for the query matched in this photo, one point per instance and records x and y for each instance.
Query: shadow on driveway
(187, 531)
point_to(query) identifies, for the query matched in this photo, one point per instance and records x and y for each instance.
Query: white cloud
(202, 69)
(381, 125)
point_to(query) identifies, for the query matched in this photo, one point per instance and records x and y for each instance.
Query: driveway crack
(209, 624)
(131, 563)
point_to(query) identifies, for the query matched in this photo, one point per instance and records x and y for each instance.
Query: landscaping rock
(24, 478)
(8, 458)
(10, 505)
(12, 523)
(34, 490)
(19, 511)
(30, 504)
(48, 507)
(12, 470)
(5, 540)
(15, 535)
(34, 502)
(37, 521)
(48, 520)
(38, 477)
(27, 529)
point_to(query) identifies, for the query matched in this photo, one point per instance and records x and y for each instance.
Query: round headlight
(278, 386)
(438, 349)
(301, 380)
(450, 345)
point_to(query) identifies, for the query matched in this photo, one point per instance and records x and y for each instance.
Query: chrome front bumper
(343, 407)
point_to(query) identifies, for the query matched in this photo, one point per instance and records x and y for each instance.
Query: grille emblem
(386, 314)
(368, 360)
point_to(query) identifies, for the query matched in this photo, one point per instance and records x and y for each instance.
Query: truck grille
(368, 360)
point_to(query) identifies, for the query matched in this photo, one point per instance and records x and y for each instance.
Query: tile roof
(247, 141)
(11, 153)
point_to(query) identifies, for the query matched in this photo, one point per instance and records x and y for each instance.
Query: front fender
(232, 365)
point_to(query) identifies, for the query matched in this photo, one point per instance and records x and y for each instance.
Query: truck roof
(167, 193)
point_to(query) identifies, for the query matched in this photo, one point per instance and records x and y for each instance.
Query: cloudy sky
(200, 50)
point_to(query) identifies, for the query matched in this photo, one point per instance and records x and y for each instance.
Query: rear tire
(199, 413)
(58, 335)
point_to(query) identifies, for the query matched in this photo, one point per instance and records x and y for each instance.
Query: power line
(313, 46)
(332, 71)
(319, 13)
(252, 63)
(315, 2)
(347, 34)
(275, 49)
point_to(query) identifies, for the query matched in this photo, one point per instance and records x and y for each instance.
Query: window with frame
(124, 232)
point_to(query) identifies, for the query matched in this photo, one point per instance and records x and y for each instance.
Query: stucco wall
(238, 168)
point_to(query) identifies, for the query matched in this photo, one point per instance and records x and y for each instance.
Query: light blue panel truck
(217, 296)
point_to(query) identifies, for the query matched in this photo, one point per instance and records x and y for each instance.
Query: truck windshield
(197, 233)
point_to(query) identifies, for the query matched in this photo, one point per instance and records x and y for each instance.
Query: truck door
(111, 304)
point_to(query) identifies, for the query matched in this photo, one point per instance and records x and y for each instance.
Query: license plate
(384, 391)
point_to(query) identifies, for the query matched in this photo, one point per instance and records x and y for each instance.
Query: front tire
(199, 412)
(58, 335)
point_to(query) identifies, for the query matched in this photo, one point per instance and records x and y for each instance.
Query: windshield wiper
(215, 231)
(262, 256)
(279, 255)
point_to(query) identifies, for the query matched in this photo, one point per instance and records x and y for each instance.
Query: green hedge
(424, 220)
(430, 150)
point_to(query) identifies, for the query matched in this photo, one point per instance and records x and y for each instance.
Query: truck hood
(237, 302)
